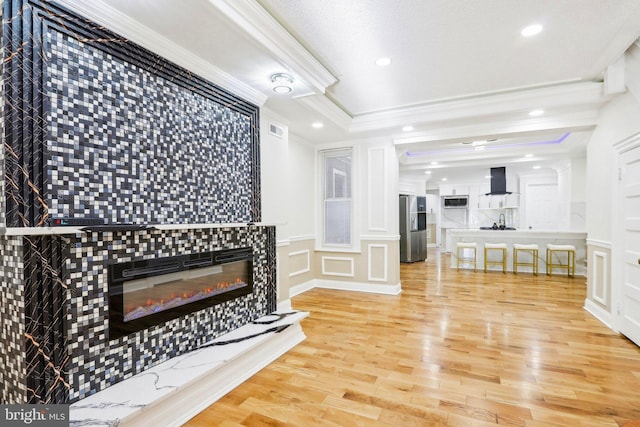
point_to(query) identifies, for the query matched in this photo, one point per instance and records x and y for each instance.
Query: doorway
(627, 239)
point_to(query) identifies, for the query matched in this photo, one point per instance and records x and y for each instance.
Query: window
(336, 196)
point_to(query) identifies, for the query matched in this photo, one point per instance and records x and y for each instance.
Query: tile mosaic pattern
(97, 362)
(45, 310)
(13, 387)
(165, 154)
(3, 220)
(169, 147)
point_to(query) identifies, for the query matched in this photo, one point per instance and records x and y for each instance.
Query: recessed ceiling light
(531, 30)
(528, 156)
(427, 172)
(534, 113)
(407, 128)
(487, 176)
(383, 62)
(434, 163)
(443, 179)
(536, 167)
(317, 125)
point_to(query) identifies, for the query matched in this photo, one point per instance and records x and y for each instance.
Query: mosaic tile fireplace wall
(131, 152)
(102, 131)
(110, 361)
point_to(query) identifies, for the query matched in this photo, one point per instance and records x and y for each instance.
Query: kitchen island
(539, 237)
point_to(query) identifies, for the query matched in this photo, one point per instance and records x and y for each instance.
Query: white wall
(619, 119)
(274, 180)
(302, 200)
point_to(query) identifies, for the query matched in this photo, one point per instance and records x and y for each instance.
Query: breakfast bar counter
(539, 237)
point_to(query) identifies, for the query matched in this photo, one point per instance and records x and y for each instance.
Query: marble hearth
(171, 393)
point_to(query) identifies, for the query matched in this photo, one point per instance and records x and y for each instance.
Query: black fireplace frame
(121, 272)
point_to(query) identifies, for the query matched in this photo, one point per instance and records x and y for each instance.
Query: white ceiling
(460, 70)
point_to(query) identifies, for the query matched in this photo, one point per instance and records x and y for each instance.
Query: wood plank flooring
(454, 349)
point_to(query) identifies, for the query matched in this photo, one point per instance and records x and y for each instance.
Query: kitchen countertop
(524, 232)
(524, 236)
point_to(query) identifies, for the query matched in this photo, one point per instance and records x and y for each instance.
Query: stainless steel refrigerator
(413, 228)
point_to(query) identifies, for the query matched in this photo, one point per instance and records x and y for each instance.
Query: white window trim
(354, 246)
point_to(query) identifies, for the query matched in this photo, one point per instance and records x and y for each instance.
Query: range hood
(498, 181)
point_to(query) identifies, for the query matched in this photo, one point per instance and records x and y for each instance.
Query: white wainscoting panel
(378, 202)
(600, 279)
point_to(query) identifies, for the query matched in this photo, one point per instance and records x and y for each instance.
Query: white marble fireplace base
(171, 393)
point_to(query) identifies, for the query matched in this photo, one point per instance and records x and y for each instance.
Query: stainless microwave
(455, 201)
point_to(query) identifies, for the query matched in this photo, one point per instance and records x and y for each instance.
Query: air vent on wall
(276, 130)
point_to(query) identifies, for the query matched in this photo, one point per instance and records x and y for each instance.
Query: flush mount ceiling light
(282, 83)
(531, 30)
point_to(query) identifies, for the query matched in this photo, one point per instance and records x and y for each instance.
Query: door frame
(617, 232)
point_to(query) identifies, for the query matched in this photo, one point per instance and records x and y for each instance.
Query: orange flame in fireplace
(209, 290)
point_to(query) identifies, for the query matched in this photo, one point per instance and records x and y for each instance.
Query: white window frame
(322, 244)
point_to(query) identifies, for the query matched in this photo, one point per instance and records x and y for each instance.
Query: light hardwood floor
(454, 349)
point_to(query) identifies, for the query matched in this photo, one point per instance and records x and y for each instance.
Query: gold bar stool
(533, 248)
(570, 266)
(502, 247)
(471, 260)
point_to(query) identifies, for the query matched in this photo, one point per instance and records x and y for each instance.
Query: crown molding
(327, 108)
(507, 128)
(105, 15)
(255, 21)
(574, 94)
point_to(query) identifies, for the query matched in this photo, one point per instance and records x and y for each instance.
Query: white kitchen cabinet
(454, 189)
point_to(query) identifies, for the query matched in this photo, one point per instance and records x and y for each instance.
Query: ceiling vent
(276, 130)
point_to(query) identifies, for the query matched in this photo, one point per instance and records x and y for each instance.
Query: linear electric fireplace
(148, 292)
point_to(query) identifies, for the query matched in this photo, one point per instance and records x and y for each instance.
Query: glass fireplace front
(148, 292)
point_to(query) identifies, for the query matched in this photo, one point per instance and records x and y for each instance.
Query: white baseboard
(346, 286)
(284, 306)
(301, 288)
(599, 313)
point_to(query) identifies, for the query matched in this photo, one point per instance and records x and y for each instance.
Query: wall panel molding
(306, 256)
(600, 277)
(371, 249)
(378, 200)
(604, 244)
(350, 264)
